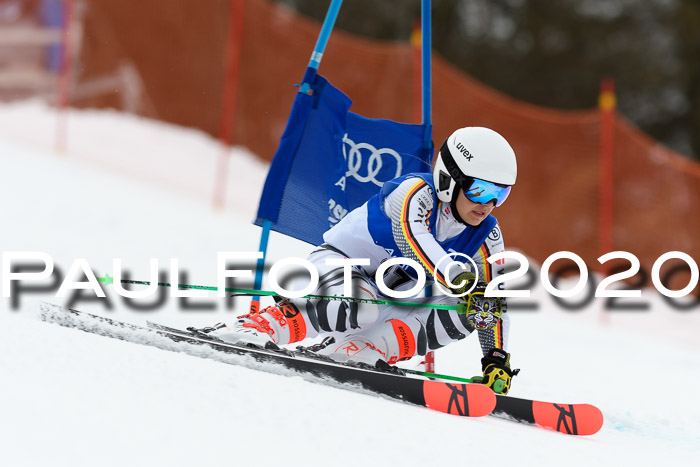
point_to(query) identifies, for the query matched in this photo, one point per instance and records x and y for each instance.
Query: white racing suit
(405, 219)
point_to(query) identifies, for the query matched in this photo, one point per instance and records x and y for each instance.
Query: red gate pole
(606, 206)
(230, 94)
(64, 78)
(429, 362)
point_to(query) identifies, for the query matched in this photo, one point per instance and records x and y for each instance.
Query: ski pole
(427, 374)
(497, 386)
(461, 308)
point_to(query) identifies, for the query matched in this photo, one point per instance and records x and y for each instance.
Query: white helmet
(473, 152)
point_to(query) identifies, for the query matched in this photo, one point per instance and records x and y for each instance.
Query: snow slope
(133, 189)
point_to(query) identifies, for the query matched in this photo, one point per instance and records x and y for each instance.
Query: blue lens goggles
(482, 192)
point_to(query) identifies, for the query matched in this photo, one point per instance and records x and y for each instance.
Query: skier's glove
(463, 282)
(496, 367)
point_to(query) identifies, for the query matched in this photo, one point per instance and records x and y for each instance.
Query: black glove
(496, 367)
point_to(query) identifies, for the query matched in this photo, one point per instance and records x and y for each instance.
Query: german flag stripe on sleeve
(410, 238)
(485, 266)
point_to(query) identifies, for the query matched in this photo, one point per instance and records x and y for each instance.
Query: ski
(473, 400)
(457, 399)
(570, 419)
(462, 399)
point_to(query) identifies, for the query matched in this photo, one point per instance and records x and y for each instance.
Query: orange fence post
(64, 77)
(230, 93)
(606, 205)
(606, 105)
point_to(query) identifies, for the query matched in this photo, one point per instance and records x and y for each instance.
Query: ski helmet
(473, 152)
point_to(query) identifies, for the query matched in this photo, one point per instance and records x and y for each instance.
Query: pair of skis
(450, 397)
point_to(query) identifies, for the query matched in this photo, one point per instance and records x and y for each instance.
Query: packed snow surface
(134, 189)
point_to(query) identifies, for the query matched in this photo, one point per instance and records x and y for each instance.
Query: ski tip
(468, 400)
(570, 419)
(592, 422)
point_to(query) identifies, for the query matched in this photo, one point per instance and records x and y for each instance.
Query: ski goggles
(481, 192)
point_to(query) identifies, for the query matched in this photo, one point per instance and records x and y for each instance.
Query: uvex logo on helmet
(465, 152)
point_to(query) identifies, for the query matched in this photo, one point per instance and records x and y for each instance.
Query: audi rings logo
(375, 160)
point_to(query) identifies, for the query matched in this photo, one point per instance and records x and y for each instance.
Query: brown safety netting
(179, 48)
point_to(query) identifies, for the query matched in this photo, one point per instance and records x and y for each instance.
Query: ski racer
(421, 216)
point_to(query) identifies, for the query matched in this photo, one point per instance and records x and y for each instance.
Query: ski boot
(268, 328)
(251, 330)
